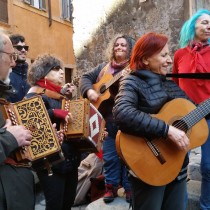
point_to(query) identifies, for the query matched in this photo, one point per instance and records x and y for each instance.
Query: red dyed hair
(146, 46)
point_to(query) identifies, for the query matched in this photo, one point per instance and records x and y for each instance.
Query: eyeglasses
(13, 56)
(56, 68)
(20, 47)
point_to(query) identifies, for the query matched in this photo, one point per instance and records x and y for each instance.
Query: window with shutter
(67, 9)
(39, 4)
(27, 1)
(3, 11)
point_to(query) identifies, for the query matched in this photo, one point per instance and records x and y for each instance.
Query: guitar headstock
(75, 81)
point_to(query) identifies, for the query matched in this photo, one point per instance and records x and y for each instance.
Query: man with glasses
(18, 76)
(16, 180)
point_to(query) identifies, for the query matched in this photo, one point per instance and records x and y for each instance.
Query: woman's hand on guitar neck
(179, 138)
(92, 95)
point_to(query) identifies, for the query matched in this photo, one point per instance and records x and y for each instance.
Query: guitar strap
(204, 76)
(51, 94)
(103, 72)
(106, 68)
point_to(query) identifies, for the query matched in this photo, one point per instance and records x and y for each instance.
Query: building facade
(46, 25)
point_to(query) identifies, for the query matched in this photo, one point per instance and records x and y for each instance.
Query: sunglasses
(19, 47)
(56, 68)
(13, 56)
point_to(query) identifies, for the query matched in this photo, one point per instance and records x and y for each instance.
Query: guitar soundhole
(102, 89)
(180, 125)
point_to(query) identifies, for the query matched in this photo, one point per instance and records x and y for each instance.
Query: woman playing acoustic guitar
(107, 74)
(142, 93)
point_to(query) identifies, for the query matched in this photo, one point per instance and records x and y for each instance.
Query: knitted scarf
(44, 83)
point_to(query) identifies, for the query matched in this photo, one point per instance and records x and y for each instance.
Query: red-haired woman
(142, 93)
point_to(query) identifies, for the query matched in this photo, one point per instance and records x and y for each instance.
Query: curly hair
(110, 50)
(42, 65)
(15, 38)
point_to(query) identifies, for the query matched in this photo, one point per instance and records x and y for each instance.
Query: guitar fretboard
(117, 76)
(197, 114)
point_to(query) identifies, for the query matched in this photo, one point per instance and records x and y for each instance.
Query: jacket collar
(6, 90)
(147, 74)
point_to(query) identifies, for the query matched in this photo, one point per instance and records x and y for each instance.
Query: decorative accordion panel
(87, 124)
(96, 126)
(80, 113)
(33, 115)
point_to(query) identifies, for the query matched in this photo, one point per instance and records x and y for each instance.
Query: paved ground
(194, 185)
(40, 202)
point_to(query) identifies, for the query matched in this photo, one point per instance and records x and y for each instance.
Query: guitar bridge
(155, 151)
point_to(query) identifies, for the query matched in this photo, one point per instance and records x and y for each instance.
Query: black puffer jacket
(144, 92)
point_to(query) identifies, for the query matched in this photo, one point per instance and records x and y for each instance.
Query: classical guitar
(102, 87)
(158, 161)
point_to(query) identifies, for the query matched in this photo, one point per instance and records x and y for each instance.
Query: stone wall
(96, 21)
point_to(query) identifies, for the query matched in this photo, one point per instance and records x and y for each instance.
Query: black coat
(18, 80)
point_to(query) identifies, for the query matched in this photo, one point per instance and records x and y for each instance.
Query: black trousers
(59, 189)
(168, 197)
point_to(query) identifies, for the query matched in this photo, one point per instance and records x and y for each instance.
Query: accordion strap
(51, 94)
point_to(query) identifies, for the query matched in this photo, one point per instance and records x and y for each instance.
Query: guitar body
(100, 88)
(139, 157)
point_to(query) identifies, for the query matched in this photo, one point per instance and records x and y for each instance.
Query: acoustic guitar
(102, 87)
(158, 161)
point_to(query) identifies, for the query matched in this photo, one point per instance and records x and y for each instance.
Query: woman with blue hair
(193, 57)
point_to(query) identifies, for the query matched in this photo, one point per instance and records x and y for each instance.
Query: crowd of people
(140, 91)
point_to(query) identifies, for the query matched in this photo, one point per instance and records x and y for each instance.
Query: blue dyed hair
(187, 33)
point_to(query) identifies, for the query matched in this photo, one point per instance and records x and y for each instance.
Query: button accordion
(87, 127)
(33, 115)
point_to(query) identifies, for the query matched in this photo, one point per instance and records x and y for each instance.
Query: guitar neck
(197, 114)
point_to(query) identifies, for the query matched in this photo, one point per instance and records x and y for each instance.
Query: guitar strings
(201, 111)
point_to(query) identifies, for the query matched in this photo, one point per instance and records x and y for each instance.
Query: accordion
(86, 130)
(33, 115)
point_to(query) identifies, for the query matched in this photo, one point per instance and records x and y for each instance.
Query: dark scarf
(44, 83)
(21, 69)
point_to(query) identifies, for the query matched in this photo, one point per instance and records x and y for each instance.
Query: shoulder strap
(51, 94)
(106, 68)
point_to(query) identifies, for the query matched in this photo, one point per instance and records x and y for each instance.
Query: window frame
(5, 17)
(67, 10)
(42, 4)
